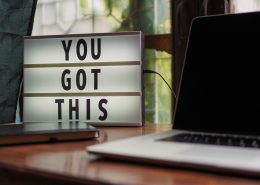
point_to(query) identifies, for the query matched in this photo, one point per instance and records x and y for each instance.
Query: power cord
(147, 71)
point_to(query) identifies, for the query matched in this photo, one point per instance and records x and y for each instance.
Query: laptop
(39, 132)
(217, 117)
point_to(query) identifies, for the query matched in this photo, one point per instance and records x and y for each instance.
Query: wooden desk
(68, 163)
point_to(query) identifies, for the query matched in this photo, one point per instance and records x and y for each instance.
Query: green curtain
(16, 20)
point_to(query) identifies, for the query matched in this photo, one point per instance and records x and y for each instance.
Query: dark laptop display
(220, 90)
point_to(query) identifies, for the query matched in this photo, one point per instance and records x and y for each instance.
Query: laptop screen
(220, 84)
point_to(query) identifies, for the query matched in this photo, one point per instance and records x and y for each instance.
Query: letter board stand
(95, 78)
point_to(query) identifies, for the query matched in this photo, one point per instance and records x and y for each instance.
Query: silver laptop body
(217, 118)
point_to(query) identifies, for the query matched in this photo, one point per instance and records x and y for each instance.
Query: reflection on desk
(67, 163)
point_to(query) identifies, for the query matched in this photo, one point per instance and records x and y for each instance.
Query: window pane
(238, 6)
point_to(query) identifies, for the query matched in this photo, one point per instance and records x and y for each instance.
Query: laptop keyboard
(239, 141)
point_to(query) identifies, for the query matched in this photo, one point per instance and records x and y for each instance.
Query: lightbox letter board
(96, 78)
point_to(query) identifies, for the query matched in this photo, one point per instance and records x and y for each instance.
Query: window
(238, 6)
(90, 16)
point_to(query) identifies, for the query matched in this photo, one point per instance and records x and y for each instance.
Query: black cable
(154, 72)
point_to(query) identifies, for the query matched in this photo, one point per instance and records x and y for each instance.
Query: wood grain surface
(68, 163)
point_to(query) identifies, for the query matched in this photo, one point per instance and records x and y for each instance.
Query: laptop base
(35, 132)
